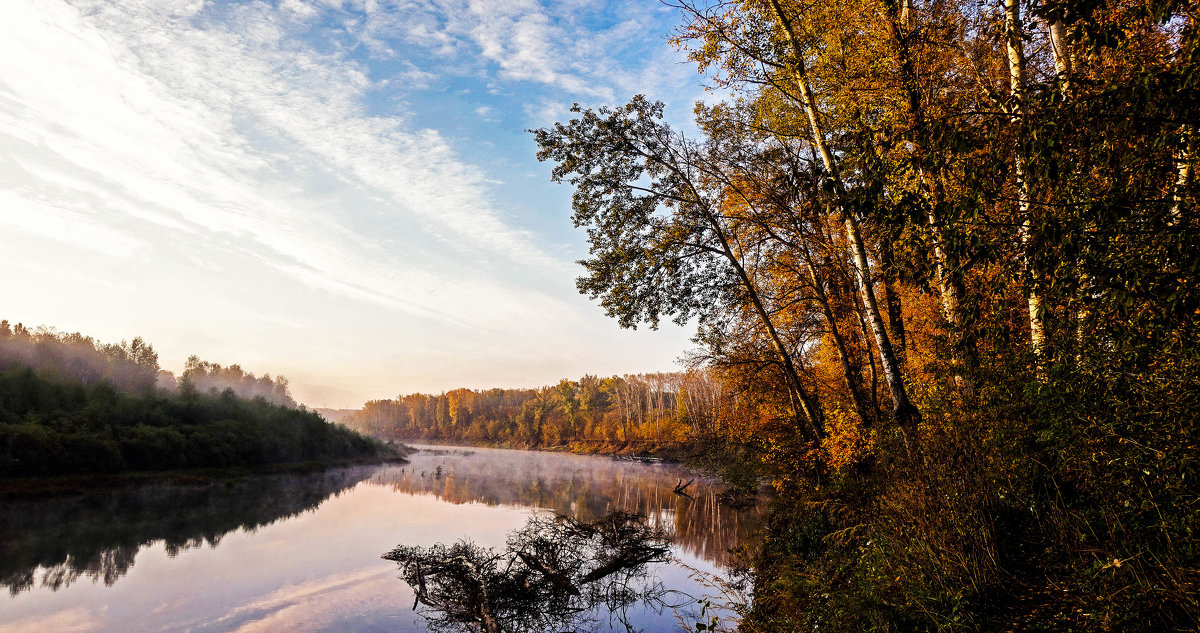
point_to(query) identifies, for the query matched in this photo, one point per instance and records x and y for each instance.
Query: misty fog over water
(302, 552)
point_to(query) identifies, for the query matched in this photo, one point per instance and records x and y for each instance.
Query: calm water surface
(301, 553)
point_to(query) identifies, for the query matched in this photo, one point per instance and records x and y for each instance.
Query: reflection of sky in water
(320, 570)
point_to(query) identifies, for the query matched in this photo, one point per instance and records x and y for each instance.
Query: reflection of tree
(585, 488)
(99, 535)
(553, 574)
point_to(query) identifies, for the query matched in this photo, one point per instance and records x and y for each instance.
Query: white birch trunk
(1064, 61)
(905, 413)
(1016, 76)
(1184, 170)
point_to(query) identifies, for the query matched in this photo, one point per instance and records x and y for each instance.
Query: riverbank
(667, 451)
(46, 487)
(676, 452)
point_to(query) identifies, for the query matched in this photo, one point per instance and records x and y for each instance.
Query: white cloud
(548, 43)
(411, 77)
(72, 228)
(176, 117)
(298, 8)
(220, 166)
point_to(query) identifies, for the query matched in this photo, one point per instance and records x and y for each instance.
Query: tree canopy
(945, 257)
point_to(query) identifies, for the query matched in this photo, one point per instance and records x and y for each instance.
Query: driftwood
(553, 574)
(638, 458)
(681, 488)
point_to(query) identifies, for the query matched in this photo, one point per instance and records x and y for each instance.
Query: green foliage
(54, 428)
(130, 366)
(205, 377)
(656, 239)
(1070, 506)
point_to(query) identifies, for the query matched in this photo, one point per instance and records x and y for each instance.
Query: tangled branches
(553, 573)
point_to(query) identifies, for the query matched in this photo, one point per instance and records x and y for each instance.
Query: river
(301, 553)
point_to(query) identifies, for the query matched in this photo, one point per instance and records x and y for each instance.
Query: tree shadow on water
(52, 543)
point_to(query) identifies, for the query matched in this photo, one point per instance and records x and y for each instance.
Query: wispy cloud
(224, 160)
(591, 51)
(189, 121)
(73, 228)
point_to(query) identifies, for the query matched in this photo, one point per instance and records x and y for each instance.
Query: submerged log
(552, 574)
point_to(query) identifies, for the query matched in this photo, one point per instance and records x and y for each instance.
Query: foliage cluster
(50, 428)
(70, 406)
(643, 409)
(945, 256)
(208, 377)
(131, 367)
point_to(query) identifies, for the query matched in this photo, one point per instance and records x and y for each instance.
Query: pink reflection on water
(320, 570)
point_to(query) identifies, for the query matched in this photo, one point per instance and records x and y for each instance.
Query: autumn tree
(660, 244)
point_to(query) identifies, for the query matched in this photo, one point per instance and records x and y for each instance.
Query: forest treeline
(945, 256)
(644, 409)
(70, 405)
(130, 366)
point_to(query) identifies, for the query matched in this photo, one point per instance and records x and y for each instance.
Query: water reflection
(555, 574)
(302, 554)
(97, 536)
(582, 487)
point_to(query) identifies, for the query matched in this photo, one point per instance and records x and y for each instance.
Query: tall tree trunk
(808, 402)
(950, 284)
(1184, 170)
(891, 300)
(951, 292)
(1064, 60)
(860, 314)
(849, 371)
(905, 413)
(1016, 76)
(1064, 70)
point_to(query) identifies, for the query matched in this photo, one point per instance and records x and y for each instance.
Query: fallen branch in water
(552, 574)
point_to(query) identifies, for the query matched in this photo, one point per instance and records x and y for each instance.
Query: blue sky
(340, 191)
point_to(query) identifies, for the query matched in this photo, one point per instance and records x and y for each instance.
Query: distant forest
(657, 408)
(70, 405)
(130, 366)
